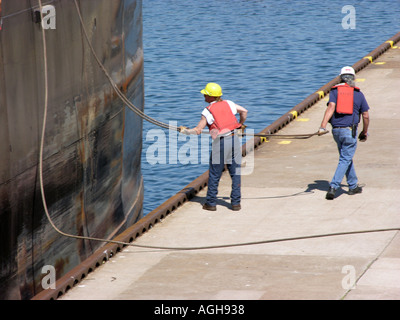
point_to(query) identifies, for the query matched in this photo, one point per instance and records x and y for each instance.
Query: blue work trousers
(347, 146)
(225, 151)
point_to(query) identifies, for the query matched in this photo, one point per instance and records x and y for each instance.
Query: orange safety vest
(224, 120)
(345, 98)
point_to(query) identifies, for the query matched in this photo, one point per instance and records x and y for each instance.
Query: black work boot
(356, 190)
(331, 194)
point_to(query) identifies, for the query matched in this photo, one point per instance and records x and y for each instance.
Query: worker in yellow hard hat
(220, 118)
(212, 90)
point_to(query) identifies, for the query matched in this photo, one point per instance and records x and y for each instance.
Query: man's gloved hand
(322, 131)
(363, 136)
(184, 130)
(241, 129)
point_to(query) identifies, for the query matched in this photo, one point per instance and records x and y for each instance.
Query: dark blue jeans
(225, 151)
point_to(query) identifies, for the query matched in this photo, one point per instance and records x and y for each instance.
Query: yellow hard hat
(212, 90)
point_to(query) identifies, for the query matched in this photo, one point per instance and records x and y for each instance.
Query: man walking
(220, 118)
(346, 106)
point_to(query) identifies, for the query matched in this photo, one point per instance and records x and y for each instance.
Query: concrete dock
(283, 197)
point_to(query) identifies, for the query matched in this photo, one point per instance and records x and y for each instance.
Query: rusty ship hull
(92, 147)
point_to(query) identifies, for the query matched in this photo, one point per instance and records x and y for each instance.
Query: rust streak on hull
(92, 175)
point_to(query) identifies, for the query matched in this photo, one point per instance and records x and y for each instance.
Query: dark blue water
(267, 56)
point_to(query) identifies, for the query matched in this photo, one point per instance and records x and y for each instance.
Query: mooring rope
(135, 109)
(284, 136)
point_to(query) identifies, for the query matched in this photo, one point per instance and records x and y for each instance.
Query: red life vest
(224, 120)
(345, 98)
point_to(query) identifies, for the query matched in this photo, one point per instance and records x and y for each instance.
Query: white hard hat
(348, 70)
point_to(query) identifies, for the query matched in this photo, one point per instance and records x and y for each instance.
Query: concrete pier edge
(102, 255)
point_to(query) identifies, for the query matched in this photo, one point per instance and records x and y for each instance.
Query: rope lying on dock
(243, 244)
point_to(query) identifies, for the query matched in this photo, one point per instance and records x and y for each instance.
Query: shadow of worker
(322, 185)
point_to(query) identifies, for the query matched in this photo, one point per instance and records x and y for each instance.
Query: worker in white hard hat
(220, 118)
(346, 106)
